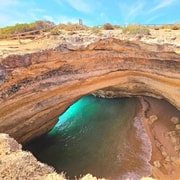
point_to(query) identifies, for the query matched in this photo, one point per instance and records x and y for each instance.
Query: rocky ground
(18, 164)
(83, 38)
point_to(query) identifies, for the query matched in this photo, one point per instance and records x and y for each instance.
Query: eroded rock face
(18, 164)
(37, 87)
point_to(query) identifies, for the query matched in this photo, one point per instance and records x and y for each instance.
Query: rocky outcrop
(18, 164)
(37, 87)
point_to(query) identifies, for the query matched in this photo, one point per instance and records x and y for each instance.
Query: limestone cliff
(19, 164)
(37, 87)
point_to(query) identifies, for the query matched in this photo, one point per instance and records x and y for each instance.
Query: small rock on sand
(174, 120)
(172, 37)
(152, 119)
(173, 140)
(164, 153)
(175, 160)
(178, 126)
(157, 164)
(171, 133)
(168, 159)
(177, 148)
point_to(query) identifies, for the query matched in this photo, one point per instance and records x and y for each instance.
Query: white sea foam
(146, 144)
(144, 156)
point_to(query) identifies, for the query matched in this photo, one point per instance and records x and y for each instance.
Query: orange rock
(39, 86)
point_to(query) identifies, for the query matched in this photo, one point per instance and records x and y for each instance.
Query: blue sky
(93, 12)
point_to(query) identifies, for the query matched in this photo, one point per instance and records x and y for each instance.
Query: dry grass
(136, 29)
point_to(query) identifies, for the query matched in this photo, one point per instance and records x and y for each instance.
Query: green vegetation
(97, 30)
(136, 29)
(67, 27)
(167, 26)
(172, 26)
(25, 27)
(109, 26)
(11, 31)
(175, 27)
(117, 26)
(57, 30)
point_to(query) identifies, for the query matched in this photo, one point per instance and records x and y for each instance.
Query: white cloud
(9, 3)
(16, 11)
(152, 18)
(135, 10)
(81, 5)
(162, 4)
(131, 12)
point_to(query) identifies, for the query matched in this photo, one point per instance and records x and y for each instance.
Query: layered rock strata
(37, 87)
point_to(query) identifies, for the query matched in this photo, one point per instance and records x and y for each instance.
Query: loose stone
(175, 160)
(178, 126)
(164, 153)
(157, 164)
(171, 133)
(174, 120)
(173, 140)
(168, 159)
(152, 119)
(177, 148)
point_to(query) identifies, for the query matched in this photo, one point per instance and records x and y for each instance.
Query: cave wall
(35, 88)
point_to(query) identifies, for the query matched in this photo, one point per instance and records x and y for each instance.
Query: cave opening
(104, 137)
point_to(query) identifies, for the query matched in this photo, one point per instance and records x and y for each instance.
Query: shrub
(175, 27)
(71, 27)
(165, 26)
(108, 26)
(25, 27)
(136, 29)
(44, 24)
(156, 27)
(117, 27)
(55, 31)
(96, 29)
(171, 26)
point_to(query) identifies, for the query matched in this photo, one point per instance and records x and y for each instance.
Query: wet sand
(162, 123)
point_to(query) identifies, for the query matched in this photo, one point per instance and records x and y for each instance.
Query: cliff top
(82, 38)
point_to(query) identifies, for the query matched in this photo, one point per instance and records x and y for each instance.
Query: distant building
(80, 22)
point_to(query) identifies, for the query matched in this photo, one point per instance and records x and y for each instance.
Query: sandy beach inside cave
(161, 121)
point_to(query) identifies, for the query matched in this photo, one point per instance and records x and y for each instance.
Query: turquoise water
(97, 136)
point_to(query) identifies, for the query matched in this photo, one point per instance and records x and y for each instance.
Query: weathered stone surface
(37, 87)
(18, 164)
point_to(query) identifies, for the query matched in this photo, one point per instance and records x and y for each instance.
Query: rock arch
(37, 87)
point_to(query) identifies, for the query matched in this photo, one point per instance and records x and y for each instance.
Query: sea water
(103, 137)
